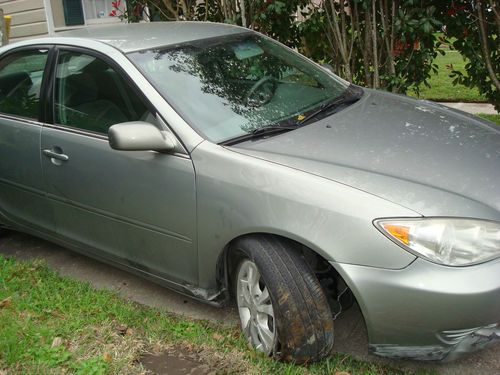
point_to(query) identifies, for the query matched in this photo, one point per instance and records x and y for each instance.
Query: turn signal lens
(399, 232)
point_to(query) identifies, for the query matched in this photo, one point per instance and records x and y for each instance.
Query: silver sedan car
(219, 163)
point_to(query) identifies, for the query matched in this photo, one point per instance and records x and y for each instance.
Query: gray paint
(21, 179)
(124, 204)
(139, 136)
(409, 308)
(135, 37)
(430, 159)
(238, 194)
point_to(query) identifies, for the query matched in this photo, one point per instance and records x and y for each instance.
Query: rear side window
(91, 95)
(21, 77)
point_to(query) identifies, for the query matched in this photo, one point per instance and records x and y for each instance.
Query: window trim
(106, 59)
(50, 98)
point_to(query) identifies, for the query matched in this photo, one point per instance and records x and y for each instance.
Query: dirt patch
(175, 362)
(188, 359)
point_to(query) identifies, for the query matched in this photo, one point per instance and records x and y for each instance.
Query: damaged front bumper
(454, 344)
(427, 311)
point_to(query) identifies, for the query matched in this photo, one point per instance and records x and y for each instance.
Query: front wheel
(255, 308)
(282, 307)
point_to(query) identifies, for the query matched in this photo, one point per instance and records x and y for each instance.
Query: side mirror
(139, 136)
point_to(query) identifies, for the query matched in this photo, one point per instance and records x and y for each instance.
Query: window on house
(99, 10)
(80, 12)
(73, 12)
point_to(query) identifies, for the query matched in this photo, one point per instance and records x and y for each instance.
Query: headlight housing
(447, 241)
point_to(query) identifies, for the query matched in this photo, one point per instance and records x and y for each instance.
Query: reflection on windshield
(233, 85)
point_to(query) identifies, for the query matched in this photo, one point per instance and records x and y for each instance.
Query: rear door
(22, 188)
(136, 208)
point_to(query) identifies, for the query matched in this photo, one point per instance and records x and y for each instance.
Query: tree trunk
(388, 33)
(169, 6)
(363, 48)
(243, 13)
(484, 45)
(185, 11)
(376, 76)
(369, 47)
(338, 34)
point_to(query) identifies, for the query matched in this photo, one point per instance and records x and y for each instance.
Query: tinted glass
(91, 95)
(230, 86)
(20, 83)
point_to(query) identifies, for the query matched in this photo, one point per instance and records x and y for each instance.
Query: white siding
(28, 18)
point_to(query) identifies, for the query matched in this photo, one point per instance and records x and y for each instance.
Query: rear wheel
(282, 307)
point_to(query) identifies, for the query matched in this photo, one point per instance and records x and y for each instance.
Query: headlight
(448, 241)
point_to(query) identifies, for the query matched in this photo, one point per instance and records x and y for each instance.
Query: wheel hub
(255, 308)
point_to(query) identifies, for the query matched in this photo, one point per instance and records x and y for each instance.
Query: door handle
(56, 155)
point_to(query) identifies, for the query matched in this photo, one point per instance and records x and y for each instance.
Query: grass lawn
(442, 88)
(55, 325)
(492, 118)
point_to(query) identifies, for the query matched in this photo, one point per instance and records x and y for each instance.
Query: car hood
(421, 155)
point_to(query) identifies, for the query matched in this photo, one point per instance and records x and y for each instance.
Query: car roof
(129, 37)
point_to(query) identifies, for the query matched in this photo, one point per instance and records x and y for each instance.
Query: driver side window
(90, 95)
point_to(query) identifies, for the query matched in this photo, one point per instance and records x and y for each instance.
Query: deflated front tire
(282, 307)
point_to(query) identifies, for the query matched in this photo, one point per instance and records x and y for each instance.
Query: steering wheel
(261, 92)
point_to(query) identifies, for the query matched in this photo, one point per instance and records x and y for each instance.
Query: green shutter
(73, 12)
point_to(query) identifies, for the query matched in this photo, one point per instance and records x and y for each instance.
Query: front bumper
(427, 311)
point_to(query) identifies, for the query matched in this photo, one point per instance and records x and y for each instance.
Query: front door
(137, 208)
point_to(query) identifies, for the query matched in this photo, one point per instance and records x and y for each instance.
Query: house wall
(29, 18)
(57, 13)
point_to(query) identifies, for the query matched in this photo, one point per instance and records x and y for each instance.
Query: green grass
(442, 88)
(53, 325)
(492, 118)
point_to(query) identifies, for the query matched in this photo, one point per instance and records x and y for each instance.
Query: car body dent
(239, 194)
(465, 341)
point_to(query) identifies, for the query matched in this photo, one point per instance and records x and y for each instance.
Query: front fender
(239, 194)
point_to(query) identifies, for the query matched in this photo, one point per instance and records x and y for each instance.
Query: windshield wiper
(260, 133)
(352, 95)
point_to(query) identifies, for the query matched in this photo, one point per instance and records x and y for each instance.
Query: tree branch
(170, 8)
(338, 36)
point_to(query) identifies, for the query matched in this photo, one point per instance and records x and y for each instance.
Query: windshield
(230, 86)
